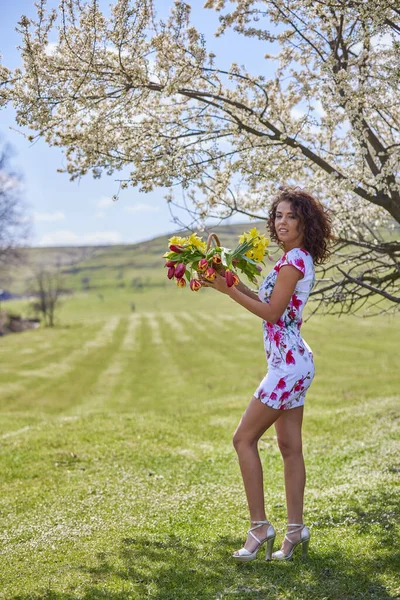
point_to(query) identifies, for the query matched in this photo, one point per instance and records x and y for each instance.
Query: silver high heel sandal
(244, 555)
(304, 541)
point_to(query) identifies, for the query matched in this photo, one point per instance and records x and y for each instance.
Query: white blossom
(130, 90)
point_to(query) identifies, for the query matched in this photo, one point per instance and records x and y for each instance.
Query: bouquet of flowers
(189, 256)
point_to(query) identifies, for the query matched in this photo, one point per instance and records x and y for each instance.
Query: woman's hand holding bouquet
(193, 260)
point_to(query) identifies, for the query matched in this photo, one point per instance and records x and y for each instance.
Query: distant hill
(98, 267)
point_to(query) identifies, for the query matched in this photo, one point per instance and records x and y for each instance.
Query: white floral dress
(290, 359)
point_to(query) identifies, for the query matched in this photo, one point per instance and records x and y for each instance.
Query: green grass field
(118, 476)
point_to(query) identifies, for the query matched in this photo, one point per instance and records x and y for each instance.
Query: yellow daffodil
(258, 241)
(197, 242)
(176, 239)
(258, 254)
(250, 235)
(254, 233)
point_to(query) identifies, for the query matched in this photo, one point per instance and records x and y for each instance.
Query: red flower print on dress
(299, 262)
(284, 396)
(281, 384)
(277, 337)
(290, 358)
(280, 322)
(298, 386)
(273, 396)
(304, 251)
(291, 314)
(295, 301)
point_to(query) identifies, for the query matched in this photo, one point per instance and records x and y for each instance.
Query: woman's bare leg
(288, 430)
(256, 419)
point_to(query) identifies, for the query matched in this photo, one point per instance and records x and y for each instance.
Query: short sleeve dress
(290, 359)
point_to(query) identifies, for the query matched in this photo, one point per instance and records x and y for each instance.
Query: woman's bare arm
(247, 291)
(241, 287)
(284, 287)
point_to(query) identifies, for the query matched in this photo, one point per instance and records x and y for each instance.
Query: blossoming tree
(14, 223)
(131, 90)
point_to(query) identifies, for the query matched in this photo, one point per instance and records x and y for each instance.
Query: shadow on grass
(176, 570)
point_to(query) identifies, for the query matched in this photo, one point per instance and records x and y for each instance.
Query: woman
(301, 226)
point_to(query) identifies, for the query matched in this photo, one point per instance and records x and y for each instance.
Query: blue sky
(66, 212)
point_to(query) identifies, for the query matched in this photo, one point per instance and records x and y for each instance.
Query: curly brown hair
(312, 215)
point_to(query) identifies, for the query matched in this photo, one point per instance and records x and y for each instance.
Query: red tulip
(202, 265)
(180, 270)
(210, 274)
(170, 263)
(171, 272)
(231, 278)
(180, 282)
(175, 248)
(217, 259)
(195, 285)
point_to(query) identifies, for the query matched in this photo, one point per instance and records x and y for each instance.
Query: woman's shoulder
(298, 253)
(301, 259)
(298, 257)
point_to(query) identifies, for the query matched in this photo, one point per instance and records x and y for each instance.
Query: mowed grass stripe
(353, 362)
(130, 338)
(153, 321)
(163, 369)
(37, 346)
(195, 323)
(175, 326)
(57, 369)
(204, 363)
(147, 366)
(66, 344)
(101, 394)
(53, 395)
(39, 383)
(12, 384)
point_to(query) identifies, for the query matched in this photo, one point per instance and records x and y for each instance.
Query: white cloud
(379, 41)
(140, 208)
(300, 110)
(51, 48)
(104, 202)
(319, 109)
(100, 214)
(382, 41)
(297, 113)
(49, 217)
(69, 238)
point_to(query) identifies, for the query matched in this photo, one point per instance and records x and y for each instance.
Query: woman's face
(288, 226)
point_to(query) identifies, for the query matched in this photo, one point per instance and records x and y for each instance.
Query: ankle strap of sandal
(299, 527)
(260, 522)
